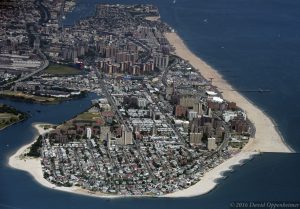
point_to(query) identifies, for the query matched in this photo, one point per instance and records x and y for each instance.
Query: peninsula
(161, 127)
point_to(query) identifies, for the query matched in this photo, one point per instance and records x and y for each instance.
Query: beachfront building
(211, 144)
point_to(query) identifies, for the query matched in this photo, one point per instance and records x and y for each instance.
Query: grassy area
(7, 118)
(6, 115)
(85, 116)
(88, 116)
(27, 97)
(62, 70)
(9, 115)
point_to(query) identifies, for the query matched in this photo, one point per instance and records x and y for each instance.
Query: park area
(9, 116)
(61, 70)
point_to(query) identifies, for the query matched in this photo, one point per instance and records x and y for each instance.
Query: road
(120, 119)
(44, 65)
(62, 14)
(145, 47)
(110, 99)
(45, 62)
(169, 120)
(165, 73)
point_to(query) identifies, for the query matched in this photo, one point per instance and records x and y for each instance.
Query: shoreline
(267, 137)
(33, 166)
(210, 179)
(28, 100)
(5, 127)
(206, 184)
(44, 102)
(26, 116)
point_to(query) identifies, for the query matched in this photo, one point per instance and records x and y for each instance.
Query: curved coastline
(210, 179)
(267, 139)
(34, 168)
(207, 183)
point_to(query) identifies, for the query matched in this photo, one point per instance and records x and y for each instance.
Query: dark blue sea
(253, 44)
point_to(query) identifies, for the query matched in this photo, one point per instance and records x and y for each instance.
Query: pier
(250, 90)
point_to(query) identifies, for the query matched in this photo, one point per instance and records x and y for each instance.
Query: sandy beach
(267, 138)
(34, 167)
(31, 165)
(209, 180)
(207, 183)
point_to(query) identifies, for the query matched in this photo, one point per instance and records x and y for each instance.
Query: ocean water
(254, 44)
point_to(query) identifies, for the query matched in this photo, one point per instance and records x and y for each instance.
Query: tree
(204, 138)
(35, 148)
